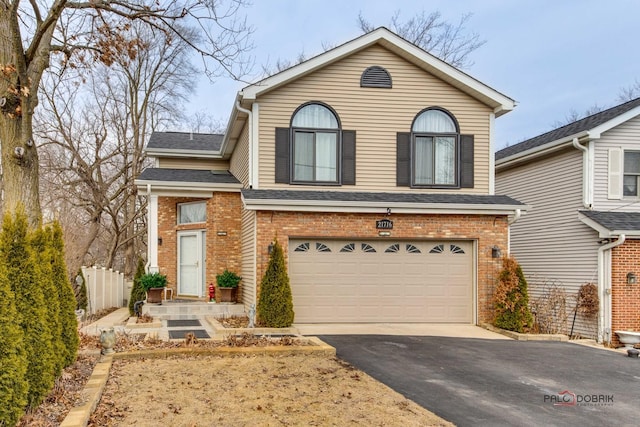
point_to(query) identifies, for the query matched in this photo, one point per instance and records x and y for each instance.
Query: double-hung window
(435, 149)
(631, 177)
(316, 145)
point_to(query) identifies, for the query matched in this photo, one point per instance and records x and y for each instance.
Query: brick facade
(487, 230)
(625, 298)
(224, 213)
(223, 251)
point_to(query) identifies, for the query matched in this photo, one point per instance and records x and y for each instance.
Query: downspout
(250, 114)
(516, 216)
(586, 173)
(255, 252)
(146, 266)
(604, 291)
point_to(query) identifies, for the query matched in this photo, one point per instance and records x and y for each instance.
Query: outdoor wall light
(221, 233)
(159, 241)
(384, 233)
(496, 252)
(631, 278)
(270, 248)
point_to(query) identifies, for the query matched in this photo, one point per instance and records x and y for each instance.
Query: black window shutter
(466, 161)
(283, 163)
(403, 159)
(348, 157)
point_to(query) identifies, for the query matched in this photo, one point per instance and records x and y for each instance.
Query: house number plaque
(384, 224)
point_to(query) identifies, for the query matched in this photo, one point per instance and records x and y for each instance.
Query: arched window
(316, 144)
(315, 150)
(434, 137)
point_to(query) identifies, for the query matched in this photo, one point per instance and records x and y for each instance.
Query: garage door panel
(408, 285)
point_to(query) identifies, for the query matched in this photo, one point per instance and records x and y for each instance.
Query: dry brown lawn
(254, 390)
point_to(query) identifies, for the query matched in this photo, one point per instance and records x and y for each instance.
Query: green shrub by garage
(275, 305)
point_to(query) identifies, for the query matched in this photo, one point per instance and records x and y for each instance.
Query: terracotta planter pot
(228, 294)
(154, 295)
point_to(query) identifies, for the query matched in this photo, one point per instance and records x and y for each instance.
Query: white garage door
(381, 281)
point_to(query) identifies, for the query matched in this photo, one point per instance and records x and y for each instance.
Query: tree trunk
(18, 98)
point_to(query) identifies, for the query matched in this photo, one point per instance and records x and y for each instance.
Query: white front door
(191, 263)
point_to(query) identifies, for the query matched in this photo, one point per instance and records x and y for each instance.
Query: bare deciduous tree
(448, 41)
(629, 92)
(89, 32)
(94, 134)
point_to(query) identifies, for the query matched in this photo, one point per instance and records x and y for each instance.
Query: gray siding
(627, 137)
(552, 245)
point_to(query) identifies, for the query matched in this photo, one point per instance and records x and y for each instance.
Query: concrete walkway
(119, 317)
(113, 319)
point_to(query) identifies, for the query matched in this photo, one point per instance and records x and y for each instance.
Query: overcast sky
(551, 56)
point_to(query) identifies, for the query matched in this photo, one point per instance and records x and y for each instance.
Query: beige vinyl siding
(239, 164)
(552, 245)
(248, 248)
(627, 137)
(190, 163)
(375, 114)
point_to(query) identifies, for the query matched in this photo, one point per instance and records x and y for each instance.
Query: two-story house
(581, 181)
(372, 165)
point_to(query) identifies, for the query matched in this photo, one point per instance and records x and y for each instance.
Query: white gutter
(516, 216)
(250, 114)
(587, 173)
(604, 291)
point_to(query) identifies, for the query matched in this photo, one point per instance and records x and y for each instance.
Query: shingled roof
(187, 176)
(409, 198)
(185, 141)
(574, 128)
(615, 221)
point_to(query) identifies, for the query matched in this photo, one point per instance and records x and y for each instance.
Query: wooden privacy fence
(105, 288)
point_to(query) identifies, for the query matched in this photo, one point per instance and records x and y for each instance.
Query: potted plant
(153, 284)
(228, 286)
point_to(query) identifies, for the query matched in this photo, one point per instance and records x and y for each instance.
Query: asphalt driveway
(478, 382)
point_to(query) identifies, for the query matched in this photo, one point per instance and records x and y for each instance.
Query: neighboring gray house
(582, 182)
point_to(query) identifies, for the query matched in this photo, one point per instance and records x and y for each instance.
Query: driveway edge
(525, 337)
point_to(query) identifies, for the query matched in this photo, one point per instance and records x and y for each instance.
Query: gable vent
(375, 76)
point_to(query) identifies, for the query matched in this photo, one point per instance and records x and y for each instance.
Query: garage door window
(454, 249)
(348, 248)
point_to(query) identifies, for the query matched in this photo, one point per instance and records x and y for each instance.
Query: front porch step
(191, 310)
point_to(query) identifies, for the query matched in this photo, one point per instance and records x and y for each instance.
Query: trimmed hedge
(38, 325)
(22, 272)
(68, 319)
(13, 359)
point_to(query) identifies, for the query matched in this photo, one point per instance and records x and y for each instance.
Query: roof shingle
(578, 126)
(185, 141)
(341, 196)
(621, 221)
(188, 175)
